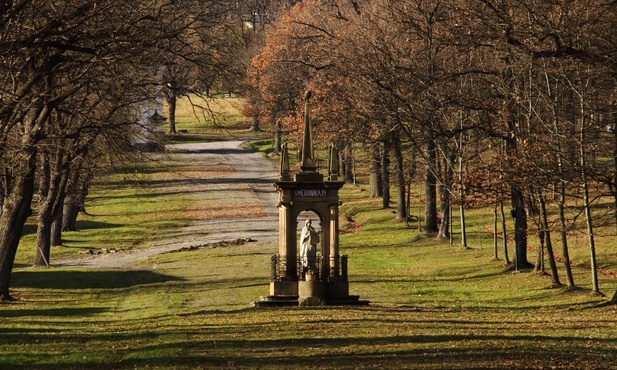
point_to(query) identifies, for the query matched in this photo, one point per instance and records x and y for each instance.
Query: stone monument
(309, 279)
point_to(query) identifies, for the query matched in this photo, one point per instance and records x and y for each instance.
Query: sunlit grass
(430, 309)
(433, 305)
(200, 118)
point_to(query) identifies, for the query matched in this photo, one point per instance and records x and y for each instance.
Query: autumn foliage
(496, 100)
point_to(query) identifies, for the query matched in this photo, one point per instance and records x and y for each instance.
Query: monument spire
(285, 164)
(333, 163)
(308, 163)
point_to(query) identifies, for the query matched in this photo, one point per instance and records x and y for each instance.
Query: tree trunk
(462, 198)
(495, 233)
(70, 211)
(587, 205)
(520, 229)
(56, 227)
(430, 190)
(18, 201)
(564, 238)
(43, 231)
(172, 101)
(401, 209)
(2, 194)
(70, 208)
(614, 189)
(49, 198)
(74, 201)
(375, 189)
(278, 137)
(444, 225)
(504, 232)
(518, 210)
(58, 207)
(17, 209)
(255, 125)
(592, 244)
(385, 174)
(539, 266)
(547, 241)
(445, 197)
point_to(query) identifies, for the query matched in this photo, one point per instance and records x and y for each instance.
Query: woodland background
(507, 104)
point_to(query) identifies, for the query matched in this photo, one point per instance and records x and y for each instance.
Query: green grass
(125, 210)
(189, 310)
(433, 305)
(216, 118)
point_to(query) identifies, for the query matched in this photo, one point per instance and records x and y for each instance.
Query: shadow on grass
(188, 138)
(29, 229)
(217, 151)
(45, 279)
(406, 351)
(50, 312)
(94, 225)
(164, 184)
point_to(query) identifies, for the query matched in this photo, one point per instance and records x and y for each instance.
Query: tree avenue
(511, 103)
(73, 78)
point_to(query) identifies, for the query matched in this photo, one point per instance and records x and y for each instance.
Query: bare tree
(104, 53)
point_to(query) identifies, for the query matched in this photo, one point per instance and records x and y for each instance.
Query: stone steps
(293, 301)
(276, 301)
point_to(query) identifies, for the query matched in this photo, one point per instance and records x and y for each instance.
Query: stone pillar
(287, 243)
(325, 249)
(334, 240)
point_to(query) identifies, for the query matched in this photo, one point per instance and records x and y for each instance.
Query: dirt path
(250, 179)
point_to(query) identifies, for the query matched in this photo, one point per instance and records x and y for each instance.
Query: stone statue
(308, 246)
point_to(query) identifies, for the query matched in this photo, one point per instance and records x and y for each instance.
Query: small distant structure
(150, 132)
(313, 279)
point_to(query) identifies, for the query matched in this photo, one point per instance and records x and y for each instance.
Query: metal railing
(321, 270)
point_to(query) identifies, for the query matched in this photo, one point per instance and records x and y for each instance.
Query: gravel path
(251, 178)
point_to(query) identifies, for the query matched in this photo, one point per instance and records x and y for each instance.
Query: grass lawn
(433, 305)
(218, 118)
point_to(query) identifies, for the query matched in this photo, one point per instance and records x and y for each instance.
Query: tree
(477, 89)
(99, 53)
(202, 55)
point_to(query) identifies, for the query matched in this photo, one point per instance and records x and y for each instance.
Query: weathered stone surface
(311, 289)
(284, 288)
(310, 301)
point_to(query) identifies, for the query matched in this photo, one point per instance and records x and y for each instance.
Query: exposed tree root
(612, 302)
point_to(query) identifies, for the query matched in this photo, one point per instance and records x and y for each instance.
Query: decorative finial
(308, 165)
(284, 175)
(333, 163)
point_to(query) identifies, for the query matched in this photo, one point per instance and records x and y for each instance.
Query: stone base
(276, 301)
(284, 288)
(309, 293)
(311, 289)
(310, 301)
(337, 289)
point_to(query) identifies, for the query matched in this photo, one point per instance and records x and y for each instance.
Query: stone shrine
(309, 279)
